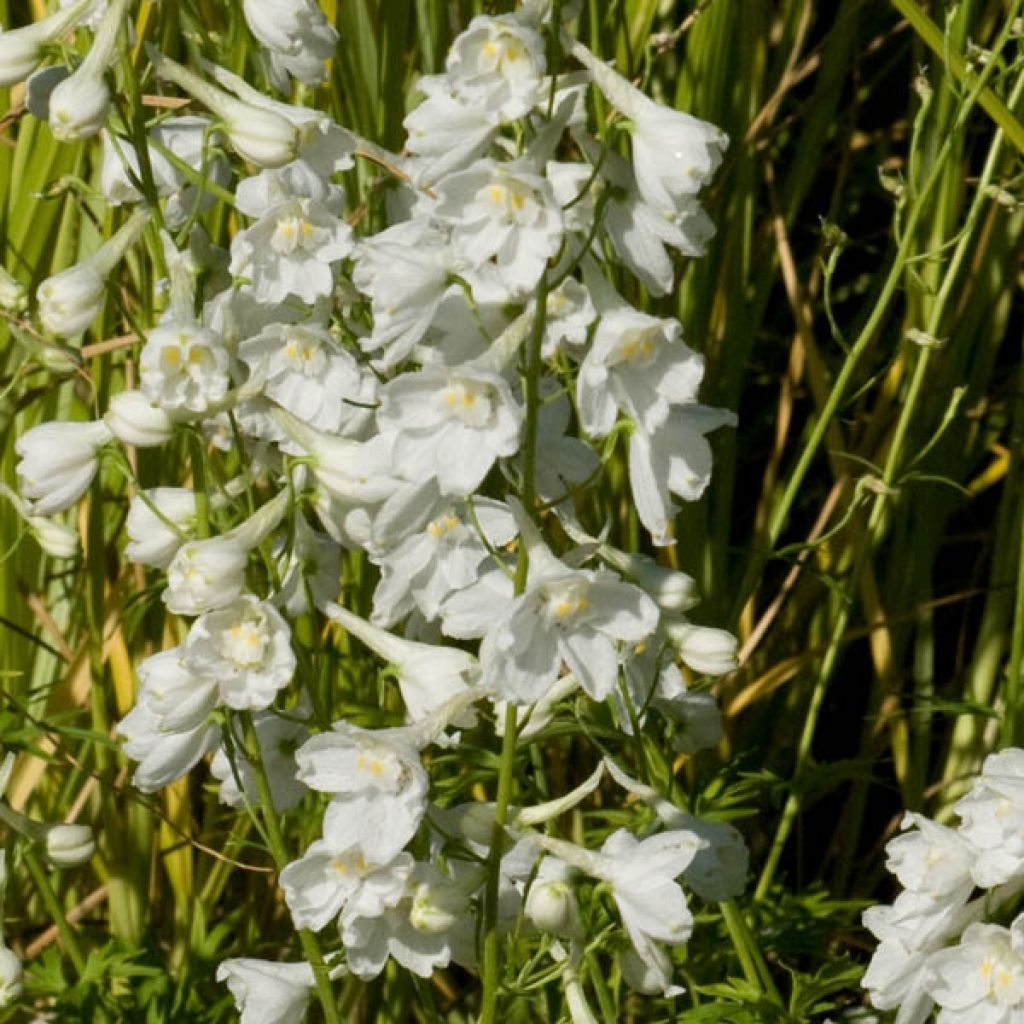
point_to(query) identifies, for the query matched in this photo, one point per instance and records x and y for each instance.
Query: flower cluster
(433, 399)
(937, 945)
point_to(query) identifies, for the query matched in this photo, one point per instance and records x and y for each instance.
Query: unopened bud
(67, 846)
(552, 907)
(57, 540)
(134, 419)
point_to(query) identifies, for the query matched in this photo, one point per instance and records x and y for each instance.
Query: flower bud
(552, 907)
(437, 907)
(709, 651)
(133, 419)
(67, 846)
(79, 105)
(205, 574)
(57, 540)
(71, 300)
(10, 977)
(153, 540)
(13, 294)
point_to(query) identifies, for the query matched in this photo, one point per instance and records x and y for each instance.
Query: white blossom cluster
(939, 946)
(382, 391)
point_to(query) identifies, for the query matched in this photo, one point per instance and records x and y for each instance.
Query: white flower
(428, 675)
(167, 731)
(182, 137)
(307, 373)
(298, 36)
(505, 225)
(278, 738)
(133, 419)
(551, 903)
(497, 65)
(245, 646)
(290, 251)
(404, 270)
(205, 574)
(325, 879)
(992, 819)
(266, 992)
(981, 980)
(637, 364)
(425, 568)
(674, 459)
(573, 615)
(159, 521)
(184, 366)
(674, 155)
(57, 462)
(450, 424)
(377, 783)
(929, 857)
(898, 976)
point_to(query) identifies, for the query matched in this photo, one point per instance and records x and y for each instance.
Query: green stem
(506, 770)
(67, 935)
(752, 962)
(310, 943)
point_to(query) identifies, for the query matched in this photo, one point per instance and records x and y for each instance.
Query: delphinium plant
(382, 646)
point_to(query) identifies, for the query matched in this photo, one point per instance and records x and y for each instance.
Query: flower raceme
(396, 453)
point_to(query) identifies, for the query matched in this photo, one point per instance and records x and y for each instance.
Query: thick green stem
(67, 935)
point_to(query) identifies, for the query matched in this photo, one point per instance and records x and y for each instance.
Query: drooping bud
(67, 846)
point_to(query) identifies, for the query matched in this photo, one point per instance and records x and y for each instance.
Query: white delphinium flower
(450, 423)
(931, 858)
(404, 270)
(980, 980)
(167, 731)
(576, 616)
(674, 154)
(639, 365)
(133, 419)
(290, 250)
(159, 521)
(57, 462)
(326, 879)
(258, 135)
(306, 372)
(377, 784)
(992, 819)
(205, 574)
(505, 225)
(570, 312)
(70, 300)
(673, 459)
(642, 876)
(21, 49)
(428, 928)
(497, 64)
(445, 557)
(444, 133)
(719, 868)
(183, 138)
(184, 366)
(80, 103)
(428, 675)
(279, 737)
(298, 36)
(266, 992)
(246, 647)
